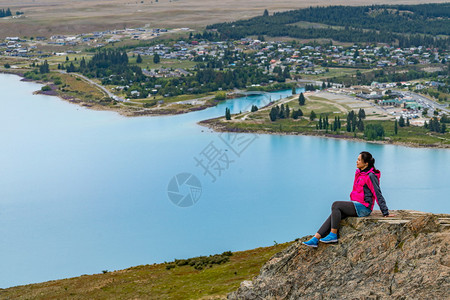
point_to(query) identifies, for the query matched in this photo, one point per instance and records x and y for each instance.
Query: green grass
(175, 98)
(304, 24)
(414, 134)
(154, 281)
(76, 87)
(62, 59)
(324, 107)
(259, 122)
(335, 72)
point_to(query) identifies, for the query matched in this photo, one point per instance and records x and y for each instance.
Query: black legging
(339, 210)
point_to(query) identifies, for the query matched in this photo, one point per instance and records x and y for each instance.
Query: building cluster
(305, 59)
(28, 47)
(269, 56)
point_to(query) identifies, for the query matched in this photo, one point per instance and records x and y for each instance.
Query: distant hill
(405, 25)
(49, 17)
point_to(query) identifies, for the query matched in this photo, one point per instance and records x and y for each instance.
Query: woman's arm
(380, 199)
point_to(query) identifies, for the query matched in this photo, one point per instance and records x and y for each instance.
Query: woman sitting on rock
(366, 190)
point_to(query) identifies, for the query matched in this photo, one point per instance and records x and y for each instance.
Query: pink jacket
(361, 179)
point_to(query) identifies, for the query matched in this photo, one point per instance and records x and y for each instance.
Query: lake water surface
(83, 191)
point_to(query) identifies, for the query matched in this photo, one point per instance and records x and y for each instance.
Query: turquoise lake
(83, 191)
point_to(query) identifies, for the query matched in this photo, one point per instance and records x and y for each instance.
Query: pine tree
(354, 123)
(44, 68)
(396, 127)
(139, 59)
(227, 113)
(273, 114)
(156, 58)
(349, 124)
(286, 73)
(436, 126)
(280, 110)
(266, 13)
(301, 99)
(320, 122)
(294, 90)
(360, 125)
(401, 122)
(361, 114)
(287, 111)
(312, 116)
(82, 63)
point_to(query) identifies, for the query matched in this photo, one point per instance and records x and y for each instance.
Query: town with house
(303, 61)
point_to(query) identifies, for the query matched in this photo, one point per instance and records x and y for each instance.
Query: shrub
(221, 96)
(46, 88)
(374, 132)
(150, 104)
(201, 262)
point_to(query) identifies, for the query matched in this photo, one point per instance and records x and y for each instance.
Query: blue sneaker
(312, 242)
(330, 238)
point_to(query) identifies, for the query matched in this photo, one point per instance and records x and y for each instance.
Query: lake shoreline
(123, 111)
(213, 124)
(209, 123)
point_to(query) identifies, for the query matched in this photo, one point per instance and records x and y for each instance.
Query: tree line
(387, 75)
(394, 24)
(113, 68)
(7, 13)
(436, 126)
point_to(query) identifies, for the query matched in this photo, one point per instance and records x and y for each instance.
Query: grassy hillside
(158, 281)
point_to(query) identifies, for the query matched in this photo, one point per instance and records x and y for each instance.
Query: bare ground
(49, 17)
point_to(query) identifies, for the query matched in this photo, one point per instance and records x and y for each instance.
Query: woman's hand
(390, 215)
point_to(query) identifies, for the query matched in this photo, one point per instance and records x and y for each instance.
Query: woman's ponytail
(368, 158)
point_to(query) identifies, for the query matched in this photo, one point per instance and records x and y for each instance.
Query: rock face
(403, 257)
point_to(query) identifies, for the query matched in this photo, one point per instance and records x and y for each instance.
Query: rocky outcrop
(403, 257)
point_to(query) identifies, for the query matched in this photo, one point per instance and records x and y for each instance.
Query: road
(428, 102)
(105, 90)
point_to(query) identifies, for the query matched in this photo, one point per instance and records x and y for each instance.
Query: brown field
(49, 17)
